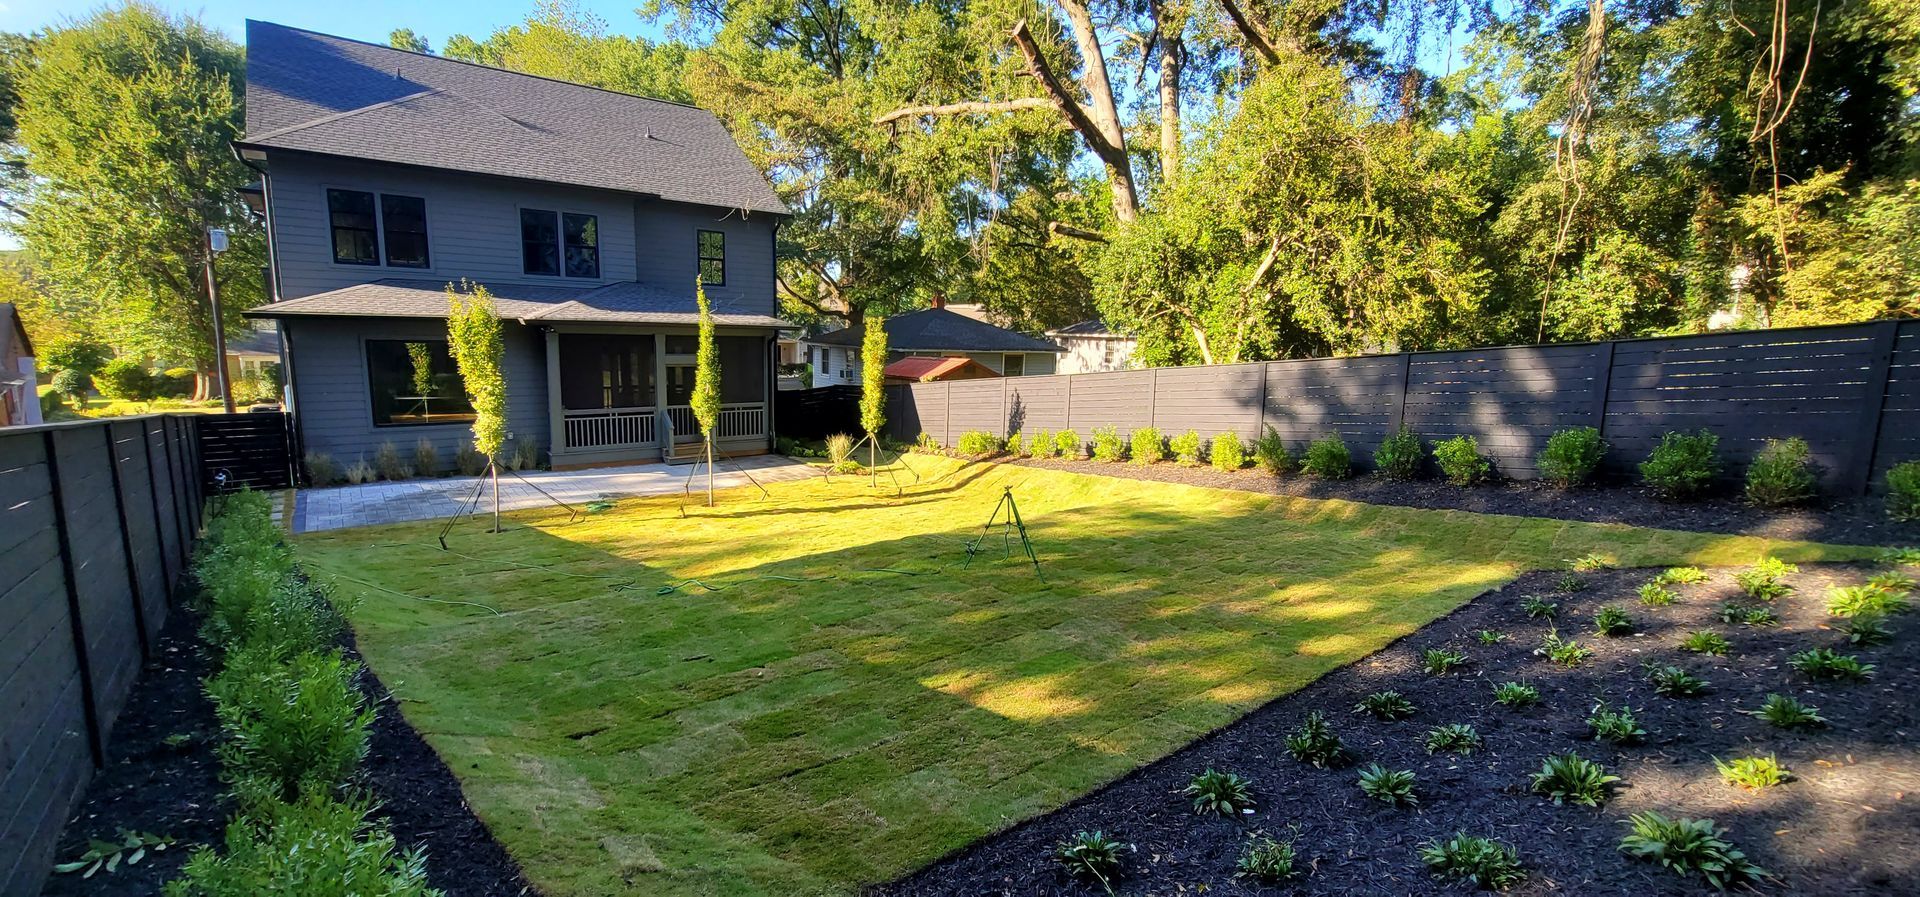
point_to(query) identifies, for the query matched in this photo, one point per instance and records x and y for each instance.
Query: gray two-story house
(588, 214)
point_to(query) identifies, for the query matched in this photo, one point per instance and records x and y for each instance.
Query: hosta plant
(1681, 576)
(1866, 629)
(1571, 778)
(1482, 862)
(1674, 682)
(1788, 712)
(1570, 582)
(1612, 621)
(1752, 773)
(1266, 860)
(1457, 738)
(1852, 601)
(1091, 855)
(1315, 744)
(1653, 594)
(1688, 846)
(1765, 580)
(1393, 787)
(1893, 581)
(1441, 661)
(1538, 608)
(1386, 705)
(1826, 663)
(1616, 726)
(1565, 652)
(1490, 637)
(1746, 615)
(1591, 562)
(1220, 793)
(1515, 694)
(1706, 641)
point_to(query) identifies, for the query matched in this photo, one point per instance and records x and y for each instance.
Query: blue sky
(369, 20)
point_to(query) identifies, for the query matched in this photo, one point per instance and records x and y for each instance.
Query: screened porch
(627, 396)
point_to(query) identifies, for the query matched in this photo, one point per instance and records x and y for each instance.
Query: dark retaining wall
(1852, 391)
(96, 518)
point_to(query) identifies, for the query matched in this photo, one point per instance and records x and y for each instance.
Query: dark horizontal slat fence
(1851, 391)
(817, 413)
(95, 520)
(253, 449)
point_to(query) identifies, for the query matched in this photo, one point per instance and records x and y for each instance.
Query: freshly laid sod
(853, 702)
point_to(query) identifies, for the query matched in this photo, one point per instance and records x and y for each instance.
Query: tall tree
(474, 340)
(125, 119)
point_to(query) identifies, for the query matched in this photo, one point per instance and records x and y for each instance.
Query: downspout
(289, 396)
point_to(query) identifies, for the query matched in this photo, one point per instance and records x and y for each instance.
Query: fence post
(1006, 423)
(153, 500)
(1153, 398)
(126, 543)
(174, 491)
(78, 627)
(1873, 403)
(946, 413)
(1603, 384)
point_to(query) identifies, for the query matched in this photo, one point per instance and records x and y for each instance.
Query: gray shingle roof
(1090, 327)
(615, 303)
(318, 93)
(940, 330)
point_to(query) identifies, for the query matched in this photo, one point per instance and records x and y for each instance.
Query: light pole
(216, 244)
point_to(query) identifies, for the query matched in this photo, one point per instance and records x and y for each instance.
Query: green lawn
(782, 737)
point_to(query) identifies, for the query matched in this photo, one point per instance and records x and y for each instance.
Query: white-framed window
(369, 227)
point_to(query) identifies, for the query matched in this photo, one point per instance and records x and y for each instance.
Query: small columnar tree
(873, 399)
(473, 337)
(706, 379)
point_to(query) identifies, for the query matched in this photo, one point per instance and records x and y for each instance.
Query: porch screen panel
(605, 371)
(743, 369)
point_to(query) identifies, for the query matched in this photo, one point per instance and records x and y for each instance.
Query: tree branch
(1255, 35)
(967, 108)
(1058, 229)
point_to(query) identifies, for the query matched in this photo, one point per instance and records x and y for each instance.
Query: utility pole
(217, 243)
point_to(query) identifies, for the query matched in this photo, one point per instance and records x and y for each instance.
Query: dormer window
(364, 223)
(549, 240)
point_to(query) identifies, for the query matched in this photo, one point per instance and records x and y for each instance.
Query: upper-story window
(713, 258)
(364, 223)
(553, 243)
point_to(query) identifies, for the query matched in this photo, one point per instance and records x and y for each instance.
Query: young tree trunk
(494, 468)
(709, 469)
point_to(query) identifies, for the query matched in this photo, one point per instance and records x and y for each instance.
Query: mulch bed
(174, 789)
(1849, 822)
(1843, 520)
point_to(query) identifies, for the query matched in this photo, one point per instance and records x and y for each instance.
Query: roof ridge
(346, 113)
(482, 65)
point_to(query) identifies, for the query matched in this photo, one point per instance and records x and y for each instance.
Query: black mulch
(1854, 520)
(173, 788)
(1848, 824)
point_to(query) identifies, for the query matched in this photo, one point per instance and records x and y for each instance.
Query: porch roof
(626, 302)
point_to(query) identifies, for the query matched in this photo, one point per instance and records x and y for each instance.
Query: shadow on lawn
(853, 726)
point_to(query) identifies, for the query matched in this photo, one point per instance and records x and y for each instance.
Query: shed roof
(925, 368)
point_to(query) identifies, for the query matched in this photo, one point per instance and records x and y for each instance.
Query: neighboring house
(1092, 347)
(587, 213)
(255, 354)
(935, 332)
(929, 369)
(19, 384)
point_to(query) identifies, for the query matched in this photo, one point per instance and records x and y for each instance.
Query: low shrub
(1687, 846)
(1385, 705)
(1067, 445)
(359, 472)
(469, 461)
(1460, 460)
(1653, 594)
(1515, 694)
(1107, 445)
(1441, 661)
(840, 453)
(978, 444)
(1265, 860)
(126, 379)
(1458, 738)
(322, 470)
(1673, 682)
(1042, 445)
(1903, 490)
(292, 729)
(1565, 652)
(1399, 456)
(1753, 773)
(1016, 445)
(1571, 457)
(314, 846)
(1781, 475)
(525, 456)
(1681, 576)
(1854, 601)
(1683, 465)
(1571, 778)
(1270, 452)
(1315, 744)
(1328, 458)
(1220, 793)
(388, 462)
(1228, 453)
(1538, 608)
(1393, 787)
(1615, 726)
(426, 458)
(1706, 641)
(1828, 664)
(1765, 580)
(1482, 862)
(1611, 621)
(1091, 855)
(1186, 447)
(1147, 446)
(1787, 712)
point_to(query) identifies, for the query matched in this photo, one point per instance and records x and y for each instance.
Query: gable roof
(13, 334)
(626, 302)
(940, 330)
(318, 93)
(1092, 328)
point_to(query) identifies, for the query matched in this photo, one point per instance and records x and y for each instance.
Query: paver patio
(370, 504)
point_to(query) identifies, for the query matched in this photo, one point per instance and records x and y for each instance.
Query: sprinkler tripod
(873, 464)
(493, 473)
(686, 489)
(1010, 523)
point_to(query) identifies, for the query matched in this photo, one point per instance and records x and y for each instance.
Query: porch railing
(610, 427)
(746, 420)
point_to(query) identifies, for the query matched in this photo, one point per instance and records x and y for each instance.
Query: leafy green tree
(75, 354)
(474, 340)
(408, 39)
(126, 379)
(125, 119)
(873, 388)
(561, 39)
(706, 379)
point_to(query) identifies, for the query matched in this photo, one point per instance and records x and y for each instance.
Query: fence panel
(1510, 399)
(1898, 438)
(977, 405)
(1212, 400)
(1037, 403)
(248, 449)
(94, 521)
(1120, 399)
(1358, 398)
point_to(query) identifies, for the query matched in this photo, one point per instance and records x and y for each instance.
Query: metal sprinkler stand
(480, 486)
(1010, 524)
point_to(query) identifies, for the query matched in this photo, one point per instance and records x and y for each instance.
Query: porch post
(556, 413)
(660, 372)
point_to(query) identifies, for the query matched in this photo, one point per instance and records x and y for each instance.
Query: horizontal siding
(666, 254)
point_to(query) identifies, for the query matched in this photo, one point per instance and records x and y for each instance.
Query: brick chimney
(939, 300)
